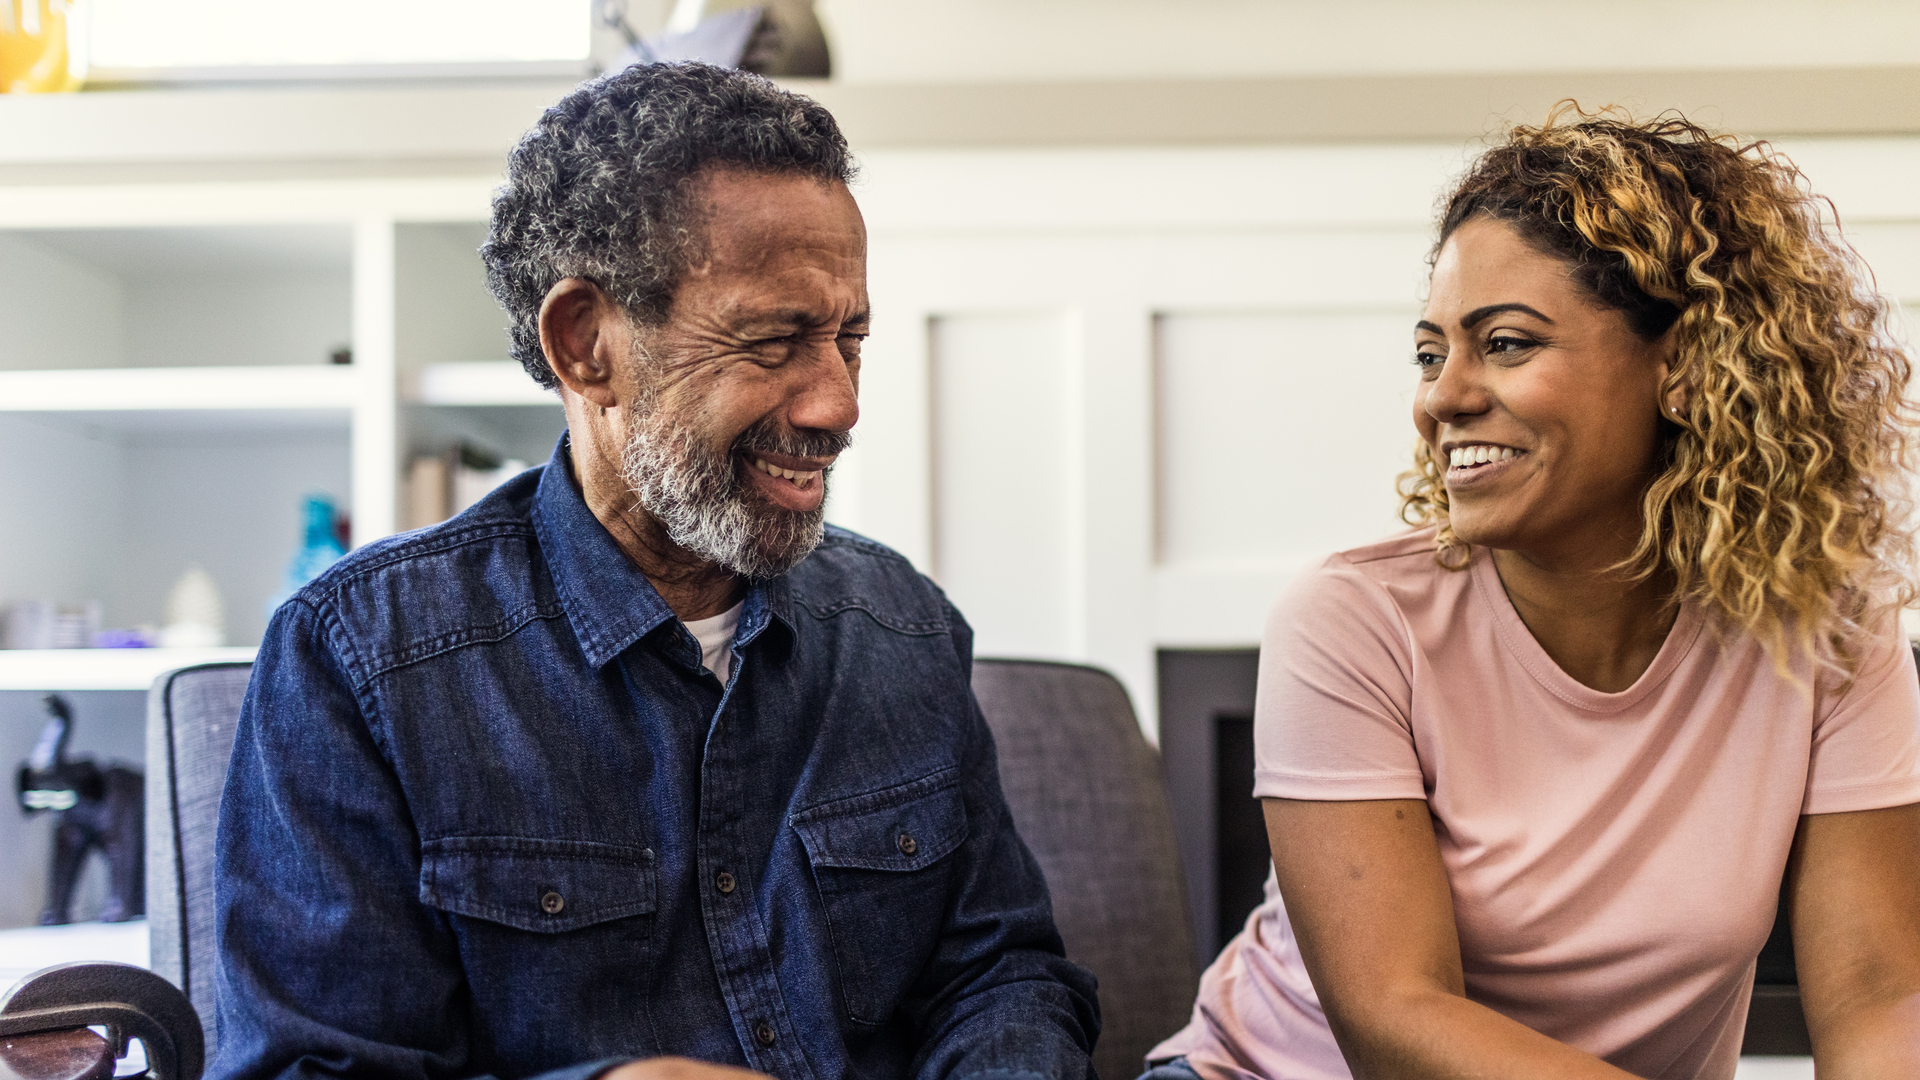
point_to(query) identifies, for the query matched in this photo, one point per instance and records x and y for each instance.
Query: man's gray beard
(699, 498)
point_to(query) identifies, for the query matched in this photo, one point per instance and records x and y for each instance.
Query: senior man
(634, 768)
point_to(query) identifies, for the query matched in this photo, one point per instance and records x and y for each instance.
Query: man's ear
(579, 323)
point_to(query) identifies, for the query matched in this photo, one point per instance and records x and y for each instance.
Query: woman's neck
(1602, 629)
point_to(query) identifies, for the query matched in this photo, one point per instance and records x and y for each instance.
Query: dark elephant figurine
(96, 808)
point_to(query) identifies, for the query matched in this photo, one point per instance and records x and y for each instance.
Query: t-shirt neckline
(1527, 650)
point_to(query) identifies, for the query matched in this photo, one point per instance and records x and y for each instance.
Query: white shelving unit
(46, 670)
(168, 396)
(294, 389)
(486, 382)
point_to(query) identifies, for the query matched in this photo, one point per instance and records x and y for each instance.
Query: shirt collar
(608, 601)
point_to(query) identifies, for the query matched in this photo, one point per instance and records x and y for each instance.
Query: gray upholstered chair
(190, 719)
(1089, 798)
(1085, 788)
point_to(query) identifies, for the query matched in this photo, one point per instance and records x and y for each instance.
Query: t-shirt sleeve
(1866, 749)
(1332, 718)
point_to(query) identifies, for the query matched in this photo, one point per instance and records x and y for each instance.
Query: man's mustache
(770, 437)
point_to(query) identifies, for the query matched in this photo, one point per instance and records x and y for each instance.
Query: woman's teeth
(1461, 456)
(798, 479)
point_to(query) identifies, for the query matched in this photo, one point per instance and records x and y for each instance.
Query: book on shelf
(440, 486)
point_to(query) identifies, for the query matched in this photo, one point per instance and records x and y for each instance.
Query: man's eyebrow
(797, 319)
(1481, 314)
(779, 317)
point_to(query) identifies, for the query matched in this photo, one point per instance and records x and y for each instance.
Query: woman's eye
(1425, 359)
(1508, 344)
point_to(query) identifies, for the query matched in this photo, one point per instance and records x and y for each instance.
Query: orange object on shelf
(43, 46)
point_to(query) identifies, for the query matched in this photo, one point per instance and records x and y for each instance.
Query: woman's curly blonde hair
(1783, 504)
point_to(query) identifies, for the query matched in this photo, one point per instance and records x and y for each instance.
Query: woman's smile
(1473, 465)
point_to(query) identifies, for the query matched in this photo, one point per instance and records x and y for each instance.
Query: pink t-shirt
(1614, 858)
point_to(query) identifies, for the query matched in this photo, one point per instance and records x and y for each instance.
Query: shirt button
(908, 845)
(763, 1033)
(724, 882)
(553, 903)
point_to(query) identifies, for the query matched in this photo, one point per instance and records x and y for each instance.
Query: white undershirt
(715, 636)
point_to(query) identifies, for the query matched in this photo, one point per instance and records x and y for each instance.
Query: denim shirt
(487, 814)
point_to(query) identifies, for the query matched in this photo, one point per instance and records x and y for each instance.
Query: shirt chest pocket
(880, 863)
(542, 886)
(551, 933)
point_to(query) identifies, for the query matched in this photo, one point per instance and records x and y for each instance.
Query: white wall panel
(1892, 252)
(1028, 192)
(193, 321)
(1280, 433)
(57, 311)
(1005, 491)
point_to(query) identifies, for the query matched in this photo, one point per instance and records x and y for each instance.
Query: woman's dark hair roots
(1514, 184)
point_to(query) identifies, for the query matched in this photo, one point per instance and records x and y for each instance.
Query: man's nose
(825, 399)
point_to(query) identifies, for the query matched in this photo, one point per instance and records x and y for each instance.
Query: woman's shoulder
(1405, 563)
(1405, 554)
(1390, 583)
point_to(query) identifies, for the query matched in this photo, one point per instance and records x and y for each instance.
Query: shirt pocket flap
(546, 886)
(901, 828)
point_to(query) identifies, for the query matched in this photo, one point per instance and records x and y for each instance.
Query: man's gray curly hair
(601, 188)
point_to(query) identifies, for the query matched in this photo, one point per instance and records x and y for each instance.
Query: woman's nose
(1457, 391)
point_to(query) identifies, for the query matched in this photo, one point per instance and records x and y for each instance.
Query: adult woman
(1533, 774)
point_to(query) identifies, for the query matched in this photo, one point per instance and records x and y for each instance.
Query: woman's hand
(1367, 895)
(1853, 894)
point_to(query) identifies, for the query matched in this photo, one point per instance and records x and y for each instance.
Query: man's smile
(801, 478)
(792, 483)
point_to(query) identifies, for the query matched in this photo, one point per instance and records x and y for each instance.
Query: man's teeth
(799, 479)
(1478, 455)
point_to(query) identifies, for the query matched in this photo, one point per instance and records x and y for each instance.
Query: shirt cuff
(1323, 787)
(1875, 796)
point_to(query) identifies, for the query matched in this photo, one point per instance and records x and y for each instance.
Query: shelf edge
(53, 670)
(480, 382)
(135, 389)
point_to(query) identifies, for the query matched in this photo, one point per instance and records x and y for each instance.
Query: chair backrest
(1089, 798)
(191, 715)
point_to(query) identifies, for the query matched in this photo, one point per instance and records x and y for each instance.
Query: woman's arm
(1853, 894)
(1367, 895)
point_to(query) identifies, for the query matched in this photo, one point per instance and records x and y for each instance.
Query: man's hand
(678, 1068)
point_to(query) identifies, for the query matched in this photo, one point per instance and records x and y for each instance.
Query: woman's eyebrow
(1482, 313)
(1432, 328)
